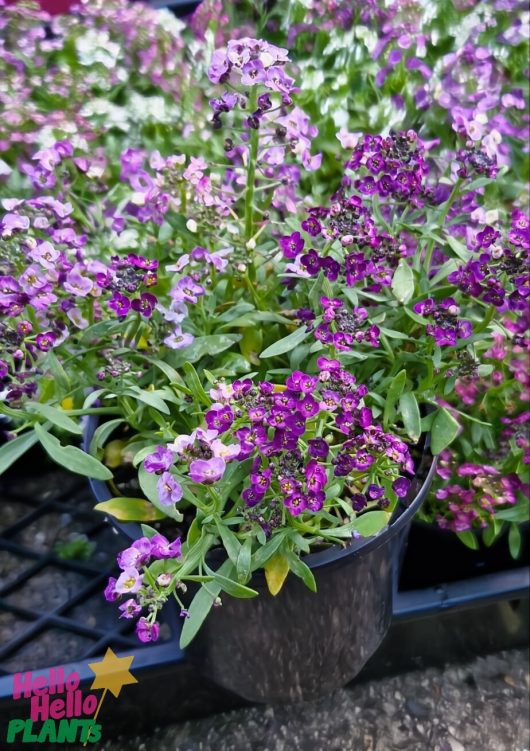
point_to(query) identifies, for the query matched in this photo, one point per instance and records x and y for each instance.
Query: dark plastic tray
(440, 622)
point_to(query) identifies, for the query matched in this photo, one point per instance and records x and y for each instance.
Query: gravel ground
(482, 705)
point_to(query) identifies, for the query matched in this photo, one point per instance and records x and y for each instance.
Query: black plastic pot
(298, 645)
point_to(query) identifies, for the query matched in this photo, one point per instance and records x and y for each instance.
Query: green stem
(251, 170)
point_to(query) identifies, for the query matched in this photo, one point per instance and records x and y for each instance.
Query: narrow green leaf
(403, 282)
(371, 523)
(416, 317)
(469, 539)
(230, 542)
(443, 272)
(200, 607)
(13, 450)
(301, 569)
(56, 416)
(202, 346)
(262, 555)
(286, 344)
(151, 398)
(193, 382)
(397, 384)
(444, 430)
(71, 457)
(514, 541)
(519, 513)
(458, 248)
(243, 561)
(231, 587)
(102, 433)
(410, 412)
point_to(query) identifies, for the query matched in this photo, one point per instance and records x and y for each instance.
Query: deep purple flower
(169, 489)
(295, 503)
(358, 501)
(147, 632)
(401, 487)
(145, 304)
(120, 304)
(252, 496)
(219, 417)
(291, 245)
(161, 548)
(375, 492)
(312, 226)
(45, 341)
(317, 448)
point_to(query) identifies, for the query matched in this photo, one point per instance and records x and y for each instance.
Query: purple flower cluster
(472, 493)
(500, 274)
(447, 328)
(275, 427)
(395, 167)
(131, 581)
(342, 328)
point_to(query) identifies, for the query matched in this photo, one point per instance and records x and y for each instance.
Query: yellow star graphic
(112, 673)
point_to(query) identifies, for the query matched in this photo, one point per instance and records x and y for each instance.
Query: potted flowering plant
(259, 365)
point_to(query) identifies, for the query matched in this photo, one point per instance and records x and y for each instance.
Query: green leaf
(262, 555)
(371, 523)
(243, 561)
(130, 509)
(170, 373)
(59, 374)
(519, 513)
(443, 272)
(458, 248)
(469, 539)
(56, 416)
(410, 412)
(71, 457)
(193, 382)
(514, 541)
(148, 531)
(403, 282)
(102, 433)
(201, 347)
(230, 542)
(231, 587)
(13, 450)
(200, 607)
(397, 384)
(301, 569)
(444, 430)
(286, 344)
(416, 317)
(151, 398)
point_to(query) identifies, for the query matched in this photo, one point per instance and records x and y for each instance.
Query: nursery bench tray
(52, 611)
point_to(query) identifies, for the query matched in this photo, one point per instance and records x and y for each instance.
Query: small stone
(456, 745)
(416, 709)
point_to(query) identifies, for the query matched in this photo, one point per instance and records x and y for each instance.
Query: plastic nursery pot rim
(324, 558)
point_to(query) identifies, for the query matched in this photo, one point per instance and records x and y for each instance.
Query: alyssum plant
(265, 366)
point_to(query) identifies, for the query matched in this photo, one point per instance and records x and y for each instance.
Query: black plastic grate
(53, 610)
